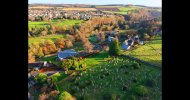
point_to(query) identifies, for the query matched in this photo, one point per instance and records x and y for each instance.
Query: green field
(151, 52)
(41, 38)
(114, 78)
(95, 59)
(67, 22)
(123, 10)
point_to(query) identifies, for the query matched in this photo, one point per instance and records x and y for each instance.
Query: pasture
(150, 52)
(116, 78)
(123, 10)
(78, 9)
(64, 22)
(50, 37)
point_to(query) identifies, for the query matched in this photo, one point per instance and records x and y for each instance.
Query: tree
(53, 94)
(31, 58)
(146, 36)
(71, 38)
(65, 96)
(41, 77)
(68, 43)
(114, 47)
(43, 96)
(43, 33)
(54, 78)
(48, 46)
(36, 50)
(66, 63)
(60, 43)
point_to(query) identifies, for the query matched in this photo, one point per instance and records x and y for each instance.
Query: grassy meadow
(116, 78)
(41, 38)
(123, 10)
(151, 51)
(64, 22)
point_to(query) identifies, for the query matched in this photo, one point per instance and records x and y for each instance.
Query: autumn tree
(43, 96)
(60, 43)
(36, 50)
(31, 57)
(101, 36)
(48, 47)
(146, 36)
(71, 38)
(68, 43)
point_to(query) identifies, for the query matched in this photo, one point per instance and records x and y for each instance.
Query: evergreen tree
(114, 47)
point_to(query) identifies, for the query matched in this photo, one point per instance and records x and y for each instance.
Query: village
(51, 13)
(92, 52)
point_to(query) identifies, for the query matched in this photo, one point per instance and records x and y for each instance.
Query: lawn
(50, 37)
(95, 59)
(64, 22)
(151, 51)
(114, 78)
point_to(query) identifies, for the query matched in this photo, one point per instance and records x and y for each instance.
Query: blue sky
(156, 3)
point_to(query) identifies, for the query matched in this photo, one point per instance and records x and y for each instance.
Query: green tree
(65, 96)
(66, 63)
(54, 78)
(114, 47)
(41, 77)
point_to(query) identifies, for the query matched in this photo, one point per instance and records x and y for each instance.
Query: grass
(95, 59)
(92, 87)
(64, 22)
(151, 51)
(50, 37)
(123, 10)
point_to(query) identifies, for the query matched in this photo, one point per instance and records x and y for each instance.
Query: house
(66, 53)
(125, 45)
(110, 38)
(137, 40)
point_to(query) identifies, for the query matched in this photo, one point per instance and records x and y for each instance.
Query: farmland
(41, 38)
(151, 52)
(79, 9)
(117, 77)
(64, 22)
(123, 10)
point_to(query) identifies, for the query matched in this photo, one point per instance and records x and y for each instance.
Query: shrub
(53, 94)
(136, 65)
(141, 90)
(150, 83)
(43, 96)
(132, 97)
(65, 96)
(41, 77)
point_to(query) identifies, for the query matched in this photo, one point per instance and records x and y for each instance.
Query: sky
(152, 3)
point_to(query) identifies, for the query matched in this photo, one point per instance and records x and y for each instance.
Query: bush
(141, 90)
(109, 96)
(150, 83)
(41, 77)
(136, 65)
(65, 96)
(132, 97)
